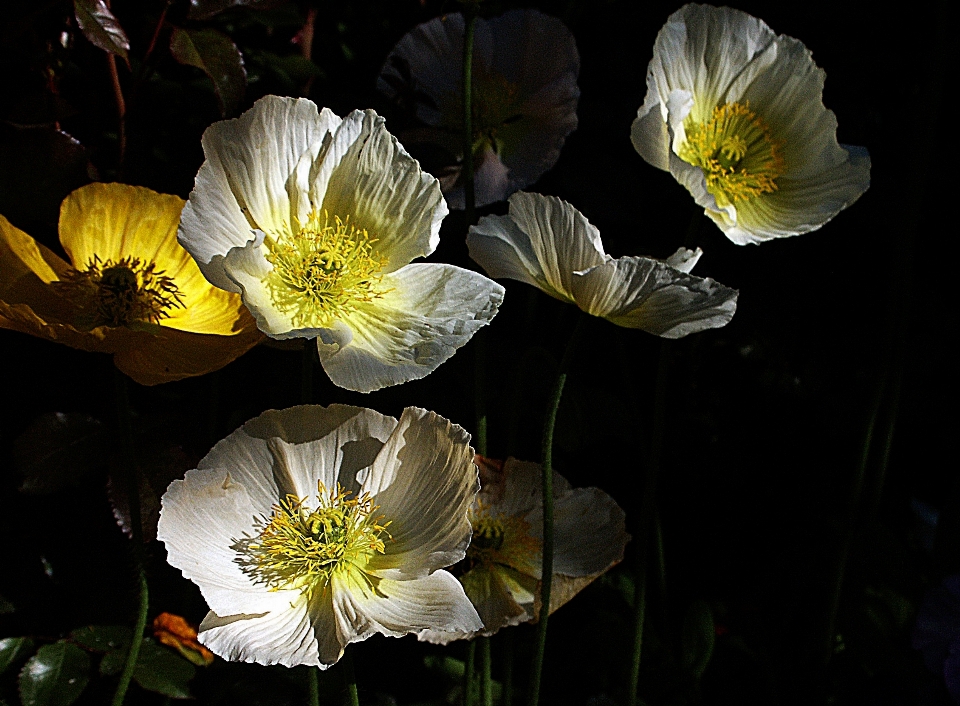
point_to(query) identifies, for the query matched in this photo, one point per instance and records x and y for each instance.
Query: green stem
(350, 678)
(469, 19)
(313, 686)
(468, 673)
(507, 694)
(486, 681)
(853, 516)
(479, 391)
(648, 512)
(546, 571)
(132, 483)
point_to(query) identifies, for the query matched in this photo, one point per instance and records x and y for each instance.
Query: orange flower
(129, 288)
(176, 632)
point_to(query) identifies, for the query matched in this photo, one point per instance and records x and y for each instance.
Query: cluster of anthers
(121, 293)
(737, 152)
(323, 271)
(300, 547)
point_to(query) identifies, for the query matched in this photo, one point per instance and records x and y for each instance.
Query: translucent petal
(424, 481)
(429, 312)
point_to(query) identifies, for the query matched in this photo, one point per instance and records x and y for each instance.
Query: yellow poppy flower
(129, 288)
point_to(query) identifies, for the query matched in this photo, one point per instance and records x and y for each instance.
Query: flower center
(738, 154)
(303, 547)
(324, 271)
(495, 105)
(120, 293)
(500, 539)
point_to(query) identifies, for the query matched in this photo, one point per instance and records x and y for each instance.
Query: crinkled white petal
(434, 602)
(243, 184)
(684, 259)
(589, 531)
(542, 241)
(714, 56)
(799, 205)
(202, 517)
(429, 312)
(336, 441)
(424, 481)
(382, 189)
(496, 605)
(284, 635)
(640, 292)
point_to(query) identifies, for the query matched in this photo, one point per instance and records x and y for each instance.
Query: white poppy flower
(503, 567)
(546, 242)
(525, 68)
(314, 221)
(310, 528)
(735, 113)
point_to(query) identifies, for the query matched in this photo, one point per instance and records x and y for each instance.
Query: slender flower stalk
(468, 672)
(470, 22)
(486, 680)
(132, 483)
(648, 511)
(546, 582)
(350, 678)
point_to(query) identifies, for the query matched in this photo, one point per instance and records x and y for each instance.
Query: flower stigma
(501, 539)
(737, 152)
(120, 293)
(300, 547)
(324, 271)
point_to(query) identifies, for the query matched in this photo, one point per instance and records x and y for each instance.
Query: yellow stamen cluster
(736, 150)
(303, 547)
(324, 271)
(120, 293)
(500, 539)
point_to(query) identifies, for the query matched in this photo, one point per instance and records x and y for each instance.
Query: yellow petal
(167, 354)
(113, 221)
(26, 270)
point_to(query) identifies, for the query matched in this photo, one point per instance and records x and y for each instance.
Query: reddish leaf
(101, 27)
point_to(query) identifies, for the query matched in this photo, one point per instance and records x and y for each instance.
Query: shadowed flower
(129, 288)
(503, 565)
(735, 113)
(525, 67)
(548, 243)
(310, 528)
(936, 632)
(314, 221)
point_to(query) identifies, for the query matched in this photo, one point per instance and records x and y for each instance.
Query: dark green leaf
(698, 637)
(101, 27)
(12, 650)
(163, 671)
(55, 676)
(218, 57)
(102, 638)
(112, 662)
(59, 451)
(6, 606)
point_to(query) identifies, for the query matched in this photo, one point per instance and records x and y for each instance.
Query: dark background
(766, 417)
